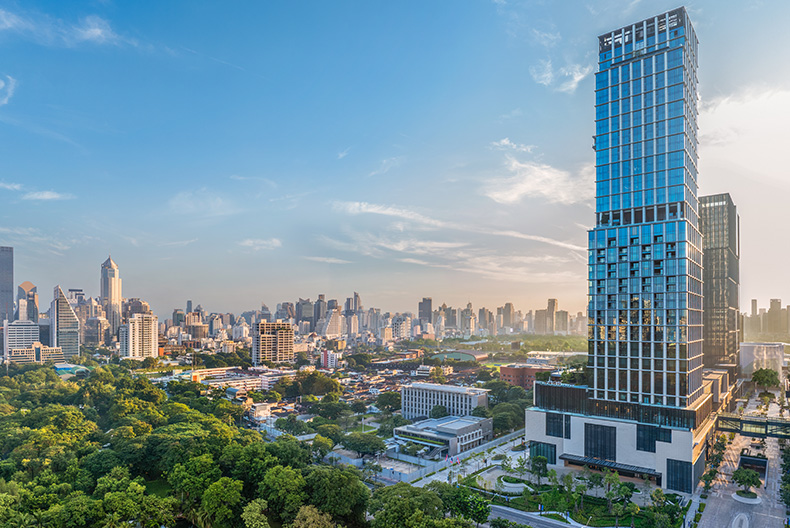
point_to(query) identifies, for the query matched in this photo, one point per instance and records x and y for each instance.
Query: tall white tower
(111, 293)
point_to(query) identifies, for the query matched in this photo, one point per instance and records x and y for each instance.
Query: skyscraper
(6, 283)
(64, 325)
(110, 290)
(720, 229)
(643, 409)
(272, 342)
(425, 310)
(139, 337)
(27, 302)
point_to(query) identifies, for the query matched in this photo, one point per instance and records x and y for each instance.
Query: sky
(235, 153)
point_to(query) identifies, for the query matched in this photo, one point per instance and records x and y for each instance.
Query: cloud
(356, 208)
(537, 180)
(257, 244)
(506, 144)
(178, 243)
(343, 153)
(328, 260)
(385, 166)
(11, 186)
(267, 181)
(50, 31)
(546, 38)
(47, 196)
(201, 203)
(7, 89)
(516, 112)
(565, 79)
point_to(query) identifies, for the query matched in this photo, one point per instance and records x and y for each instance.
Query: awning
(598, 462)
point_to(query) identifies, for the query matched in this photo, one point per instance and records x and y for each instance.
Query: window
(554, 425)
(543, 449)
(600, 441)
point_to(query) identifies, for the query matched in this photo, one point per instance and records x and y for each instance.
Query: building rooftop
(447, 388)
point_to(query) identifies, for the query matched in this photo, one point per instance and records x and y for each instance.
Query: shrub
(697, 517)
(702, 507)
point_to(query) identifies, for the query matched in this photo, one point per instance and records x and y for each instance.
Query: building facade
(720, 228)
(643, 410)
(64, 326)
(110, 293)
(418, 399)
(522, 375)
(272, 342)
(6, 283)
(450, 435)
(139, 337)
(19, 334)
(27, 302)
(36, 353)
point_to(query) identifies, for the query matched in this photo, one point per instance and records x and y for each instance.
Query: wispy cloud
(47, 196)
(546, 38)
(356, 208)
(506, 144)
(11, 186)
(385, 166)
(328, 260)
(178, 243)
(565, 79)
(516, 112)
(50, 31)
(257, 244)
(7, 88)
(267, 181)
(202, 203)
(537, 180)
(343, 153)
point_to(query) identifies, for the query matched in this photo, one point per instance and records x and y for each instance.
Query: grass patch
(513, 480)
(746, 494)
(158, 487)
(557, 517)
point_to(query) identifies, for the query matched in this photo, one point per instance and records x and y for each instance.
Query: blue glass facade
(645, 252)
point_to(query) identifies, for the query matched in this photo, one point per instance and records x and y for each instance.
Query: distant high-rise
(189, 306)
(319, 310)
(139, 337)
(425, 310)
(551, 316)
(272, 342)
(110, 294)
(6, 283)
(357, 303)
(64, 325)
(720, 226)
(27, 302)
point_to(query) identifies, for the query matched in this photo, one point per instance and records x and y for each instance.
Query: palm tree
(113, 521)
(632, 509)
(617, 511)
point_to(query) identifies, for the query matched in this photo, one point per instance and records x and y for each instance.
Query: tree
(632, 509)
(617, 510)
(364, 443)
(611, 481)
(477, 508)
(538, 467)
(338, 492)
(193, 477)
(220, 499)
(746, 478)
(283, 489)
(708, 478)
(765, 378)
(481, 412)
(437, 375)
(402, 505)
(254, 514)
(311, 517)
(321, 446)
(359, 407)
(388, 401)
(439, 411)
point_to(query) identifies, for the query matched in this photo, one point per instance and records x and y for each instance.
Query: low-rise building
(449, 436)
(418, 399)
(35, 353)
(522, 375)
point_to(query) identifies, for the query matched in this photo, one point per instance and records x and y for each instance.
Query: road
(524, 518)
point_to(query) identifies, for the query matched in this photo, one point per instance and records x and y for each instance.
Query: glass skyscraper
(645, 251)
(720, 228)
(64, 325)
(6, 284)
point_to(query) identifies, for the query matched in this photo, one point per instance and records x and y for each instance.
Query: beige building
(272, 342)
(35, 353)
(139, 338)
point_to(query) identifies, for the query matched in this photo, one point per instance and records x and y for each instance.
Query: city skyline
(336, 169)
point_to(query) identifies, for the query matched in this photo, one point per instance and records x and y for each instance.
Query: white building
(418, 399)
(330, 359)
(139, 338)
(19, 334)
(756, 356)
(110, 291)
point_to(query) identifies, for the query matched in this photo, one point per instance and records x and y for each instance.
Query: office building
(418, 399)
(64, 326)
(720, 226)
(643, 410)
(36, 353)
(425, 310)
(522, 375)
(19, 334)
(6, 283)
(110, 293)
(27, 302)
(139, 337)
(272, 342)
(450, 435)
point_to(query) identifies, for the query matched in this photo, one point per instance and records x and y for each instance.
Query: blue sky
(234, 153)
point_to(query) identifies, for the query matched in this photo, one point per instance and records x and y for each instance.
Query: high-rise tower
(6, 283)
(720, 228)
(111, 293)
(64, 325)
(643, 410)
